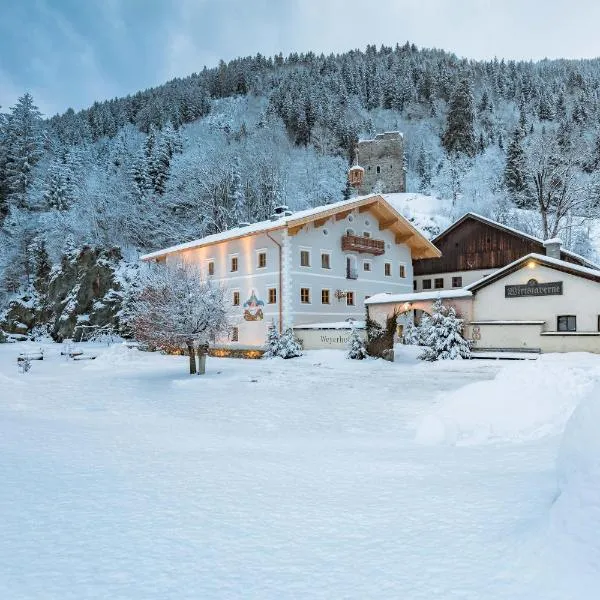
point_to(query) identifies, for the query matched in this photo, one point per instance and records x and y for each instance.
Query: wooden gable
(473, 244)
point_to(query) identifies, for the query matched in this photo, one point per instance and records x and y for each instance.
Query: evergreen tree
(442, 335)
(57, 195)
(356, 346)
(41, 265)
(411, 334)
(515, 169)
(272, 342)
(459, 135)
(23, 138)
(289, 347)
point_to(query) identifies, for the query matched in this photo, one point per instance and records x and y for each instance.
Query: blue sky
(73, 52)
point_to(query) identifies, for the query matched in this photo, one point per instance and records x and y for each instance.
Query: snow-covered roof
(533, 238)
(334, 325)
(293, 219)
(548, 261)
(417, 296)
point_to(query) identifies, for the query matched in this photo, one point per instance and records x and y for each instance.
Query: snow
(124, 477)
(333, 325)
(532, 400)
(384, 298)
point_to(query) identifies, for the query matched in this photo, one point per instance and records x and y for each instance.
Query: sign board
(534, 289)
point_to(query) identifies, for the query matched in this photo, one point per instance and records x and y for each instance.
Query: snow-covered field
(319, 477)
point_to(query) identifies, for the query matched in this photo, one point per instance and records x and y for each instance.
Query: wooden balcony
(364, 245)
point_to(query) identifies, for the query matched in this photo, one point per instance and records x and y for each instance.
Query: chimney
(280, 211)
(553, 247)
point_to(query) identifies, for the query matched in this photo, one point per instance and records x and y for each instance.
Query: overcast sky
(73, 52)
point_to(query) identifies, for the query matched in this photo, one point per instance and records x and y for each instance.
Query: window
(439, 283)
(304, 258)
(457, 281)
(305, 295)
(262, 260)
(325, 260)
(387, 269)
(349, 298)
(234, 264)
(272, 296)
(426, 284)
(415, 285)
(366, 265)
(236, 298)
(235, 334)
(325, 297)
(403, 271)
(378, 169)
(349, 231)
(211, 267)
(566, 323)
(367, 234)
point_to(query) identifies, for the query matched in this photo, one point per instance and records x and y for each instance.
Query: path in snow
(125, 478)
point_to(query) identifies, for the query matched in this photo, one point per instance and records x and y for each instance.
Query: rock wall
(85, 290)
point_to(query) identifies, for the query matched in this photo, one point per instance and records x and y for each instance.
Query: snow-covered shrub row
(524, 401)
(576, 512)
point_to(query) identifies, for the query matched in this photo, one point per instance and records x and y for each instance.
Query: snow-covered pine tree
(459, 135)
(356, 346)
(272, 343)
(289, 347)
(442, 335)
(411, 335)
(515, 170)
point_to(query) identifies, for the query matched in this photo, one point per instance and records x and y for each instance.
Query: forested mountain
(200, 154)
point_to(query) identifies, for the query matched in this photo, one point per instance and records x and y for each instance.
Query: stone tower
(382, 158)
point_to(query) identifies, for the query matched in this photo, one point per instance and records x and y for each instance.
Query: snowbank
(576, 512)
(525, 401)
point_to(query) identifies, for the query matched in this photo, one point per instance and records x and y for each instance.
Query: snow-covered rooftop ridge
(333, 325)
(417, 296)
(543, 259)
(523, 234)
(270, 225)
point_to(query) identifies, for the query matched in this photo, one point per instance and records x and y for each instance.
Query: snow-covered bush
(272, 343)
(411, 334)
(289, 346)
(441, 334)
(356, 346)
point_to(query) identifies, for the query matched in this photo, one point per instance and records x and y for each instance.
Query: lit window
(387, 269)
(325, 260)
(366, 266)
(304, 258)
(439, 283)
(234, 263)
(262, 260)
(235, 334)
(350, 298)
(305, 295)
(211, 267)
(236, 298)
(324, 296)
(457, 282)
(403, 271)
(272, 295)
(566, 323)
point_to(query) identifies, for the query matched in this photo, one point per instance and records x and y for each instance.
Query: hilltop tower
(382, 159)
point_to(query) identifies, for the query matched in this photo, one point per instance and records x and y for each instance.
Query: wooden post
(192, 355)
(202, 352)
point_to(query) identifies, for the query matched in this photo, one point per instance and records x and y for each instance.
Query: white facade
(293, 271)
(448, 280)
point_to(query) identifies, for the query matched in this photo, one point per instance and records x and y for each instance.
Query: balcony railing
(365, 245)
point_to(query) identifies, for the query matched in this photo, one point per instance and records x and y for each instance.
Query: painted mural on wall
(253, 308)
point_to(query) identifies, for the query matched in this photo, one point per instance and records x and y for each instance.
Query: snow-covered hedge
(576, 513)
(524, 401)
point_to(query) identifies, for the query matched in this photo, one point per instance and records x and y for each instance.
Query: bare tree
(176, 307)
(563, 195)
